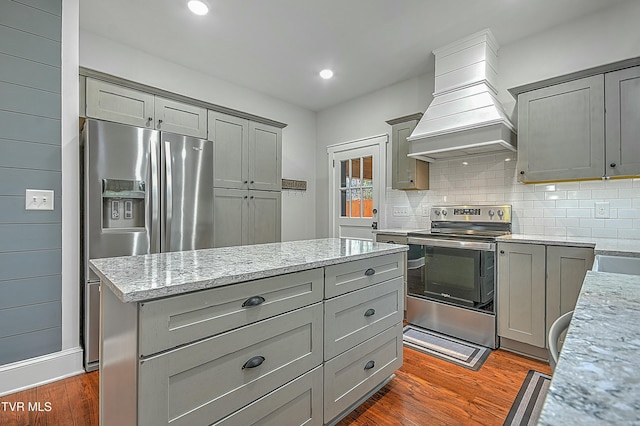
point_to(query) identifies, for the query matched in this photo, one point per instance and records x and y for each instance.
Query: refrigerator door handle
(168, 195)
(154, 199)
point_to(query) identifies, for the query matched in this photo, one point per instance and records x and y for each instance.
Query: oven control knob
(437, 212)
(444, 212)
(491, 212)
(500, 213)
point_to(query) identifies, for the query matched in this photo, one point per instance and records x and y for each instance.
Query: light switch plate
(401, 211)
(38, 199)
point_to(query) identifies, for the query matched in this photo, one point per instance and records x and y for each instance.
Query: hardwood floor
(426, 391)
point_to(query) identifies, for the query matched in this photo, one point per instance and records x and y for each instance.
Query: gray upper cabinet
(106, 101)
(248, 155)
(561, 131)
(230, 136)
(111, 102)
(406, 172)
(623, 122)
(265, 157)
(177, 117)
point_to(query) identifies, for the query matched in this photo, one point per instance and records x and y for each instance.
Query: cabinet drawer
(345, 277)
(166, 323)
(346, 378)
(297, 403)
(205, 381)
(352, 318)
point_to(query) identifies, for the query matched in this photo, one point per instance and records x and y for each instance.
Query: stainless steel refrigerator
(144, 191)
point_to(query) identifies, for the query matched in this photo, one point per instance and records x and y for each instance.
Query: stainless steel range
(451, 272)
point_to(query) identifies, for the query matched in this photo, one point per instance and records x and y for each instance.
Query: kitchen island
(303, 331)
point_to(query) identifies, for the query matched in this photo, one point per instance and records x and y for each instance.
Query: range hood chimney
(465, 117)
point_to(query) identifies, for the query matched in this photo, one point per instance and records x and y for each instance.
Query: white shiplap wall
(554, 209)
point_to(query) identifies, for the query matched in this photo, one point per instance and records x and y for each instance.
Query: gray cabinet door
(566, 269)
(177, 117)
(623, 122)
(230, 214)
(521, 293)
(230, 136)
(110, 102)
(406, 172)
(264, 219)
(561, 131)
(265, 157)
(203, 382)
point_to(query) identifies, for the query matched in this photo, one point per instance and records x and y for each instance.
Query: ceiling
(277, 47)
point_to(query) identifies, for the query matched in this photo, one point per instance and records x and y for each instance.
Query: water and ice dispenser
(123, 204)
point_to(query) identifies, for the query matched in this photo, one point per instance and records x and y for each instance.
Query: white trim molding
(38, 371)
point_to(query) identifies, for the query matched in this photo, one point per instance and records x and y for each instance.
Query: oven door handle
(456, 244)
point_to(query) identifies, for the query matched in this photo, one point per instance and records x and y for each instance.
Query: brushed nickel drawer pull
(369, 312)
(370, 365)
(253, 301)
(369, 272)
(254, 362)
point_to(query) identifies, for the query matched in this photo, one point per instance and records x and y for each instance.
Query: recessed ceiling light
(464, 163)
(198, 7)
(326, 74)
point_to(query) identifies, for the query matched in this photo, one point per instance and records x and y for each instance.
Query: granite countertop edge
(146, 294)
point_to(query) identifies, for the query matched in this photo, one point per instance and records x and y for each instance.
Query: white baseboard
(38, 371)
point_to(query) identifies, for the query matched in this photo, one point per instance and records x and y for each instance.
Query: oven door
(456, 272)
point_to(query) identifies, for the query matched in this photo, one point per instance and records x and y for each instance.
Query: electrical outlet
(425, 210)
(401, 211)
(602, 210)
(38, 199)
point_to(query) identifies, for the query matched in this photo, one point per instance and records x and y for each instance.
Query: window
(356, 187)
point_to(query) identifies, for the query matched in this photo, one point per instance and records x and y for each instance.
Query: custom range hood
(465, 117)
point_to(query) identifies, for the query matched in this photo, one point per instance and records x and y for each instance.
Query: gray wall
(30, 157)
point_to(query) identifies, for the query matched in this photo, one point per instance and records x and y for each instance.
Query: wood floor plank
(426, 391)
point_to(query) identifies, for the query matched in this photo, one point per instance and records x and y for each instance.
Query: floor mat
(528, 404)
(459, 352)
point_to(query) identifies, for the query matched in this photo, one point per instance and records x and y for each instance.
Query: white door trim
(381, 141)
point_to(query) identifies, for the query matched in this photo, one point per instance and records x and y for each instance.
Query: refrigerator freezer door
(187, 203)
(119, 163)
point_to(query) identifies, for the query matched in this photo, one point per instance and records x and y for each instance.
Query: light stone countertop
(607, 246)
(398, 231)
(145, 277)
(597, 380)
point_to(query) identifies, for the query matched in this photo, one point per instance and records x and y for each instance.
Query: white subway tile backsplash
(629, 213)
(592, 184)
(619, 223)
(567, 204)
(579, 213)
(579, 195)
(563, 208)
(578, 232)
(604, 194)
(592, 223)
(604, 233)
(555, 212)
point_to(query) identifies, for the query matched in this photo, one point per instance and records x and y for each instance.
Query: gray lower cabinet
(357, 373)
(561, 131)
(297, 403)
(536, 284)
(243, 217)
(521, 293)
(253, 352)
(397, 239)
(111, 102)
(213, 378)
